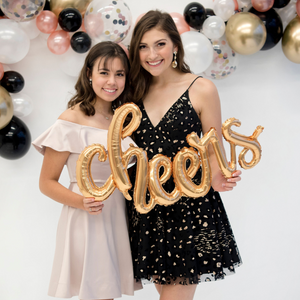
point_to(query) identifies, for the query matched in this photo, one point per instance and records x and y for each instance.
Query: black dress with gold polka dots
(190, 241)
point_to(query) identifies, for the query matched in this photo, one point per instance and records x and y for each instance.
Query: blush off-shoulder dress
(92, 256)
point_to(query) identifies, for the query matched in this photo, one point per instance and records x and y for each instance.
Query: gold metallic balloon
(6, 107)
(291, 41)
(57, 6)
(245, 33)
(84, 178)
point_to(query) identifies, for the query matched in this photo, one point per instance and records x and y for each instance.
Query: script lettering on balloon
(148, 172)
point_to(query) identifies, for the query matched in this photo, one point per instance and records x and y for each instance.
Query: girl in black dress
(180, 245)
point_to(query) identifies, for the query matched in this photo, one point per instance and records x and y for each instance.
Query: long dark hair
(85, 94)
(140, 79)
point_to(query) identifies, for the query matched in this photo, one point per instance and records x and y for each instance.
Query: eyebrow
(104, 69)
(155, 41)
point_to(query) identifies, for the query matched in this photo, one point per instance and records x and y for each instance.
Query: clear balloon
(213, 27)
(14, 42)
(56, 6)
(58, 42)
(181, 24)
(22, 10)
(262, 5)
(225, 60)
(245, 33)
(23, 105)
(30, 28)
(291, 41)
(107, 20)
(6, 107)
(224, 8)
(71, 62)
(198, 51)
(47, 21)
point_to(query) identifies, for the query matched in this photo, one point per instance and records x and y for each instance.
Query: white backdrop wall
(263, 209)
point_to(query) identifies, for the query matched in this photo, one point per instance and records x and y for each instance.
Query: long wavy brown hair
(85, 94)
(140, 79)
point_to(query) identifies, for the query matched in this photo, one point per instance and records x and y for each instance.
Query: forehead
(153, 35)
(109, 63)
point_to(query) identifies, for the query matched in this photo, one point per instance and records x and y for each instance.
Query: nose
(111, 79)
(152, 53)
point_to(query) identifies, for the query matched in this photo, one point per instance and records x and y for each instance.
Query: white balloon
(14, 42)
(224, 8)
(23, 105)
(30, 28)
(287, 13)
(71, 62)
(198, 51)
(213, 27)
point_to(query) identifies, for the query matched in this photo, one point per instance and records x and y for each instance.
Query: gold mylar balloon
(245, 33)
(6, 107)
(291, 41)
(57, 6)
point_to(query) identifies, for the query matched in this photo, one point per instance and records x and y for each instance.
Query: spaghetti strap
(193, 82)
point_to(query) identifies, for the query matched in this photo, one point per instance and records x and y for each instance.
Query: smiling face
(156, 52)
(108, 79)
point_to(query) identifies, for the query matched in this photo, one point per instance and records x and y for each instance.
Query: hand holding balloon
(92, 207)
(221, 184)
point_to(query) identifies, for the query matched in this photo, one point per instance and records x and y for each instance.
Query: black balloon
(15, 139)
(81, 42)
(209, 12)
(70, 19)
(280, 3)
(12, 81)
(1, 13)
(273, 24)
(194, 14)
(47, 5)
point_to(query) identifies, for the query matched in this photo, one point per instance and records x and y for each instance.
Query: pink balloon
(124, 48)
(298, 7)
(58, 42)
(181, 24)
(46, 21)
(139, 17)
(94, 25)
(262, 5)
(1, 71)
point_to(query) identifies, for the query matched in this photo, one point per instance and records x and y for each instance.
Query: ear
(175, 49)
(88, 73)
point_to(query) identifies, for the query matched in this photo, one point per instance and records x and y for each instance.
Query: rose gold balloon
(124, 48)
(1, 71)
(139, 17)
(181, 24)
(262, 5)
(46, 21)
(58, 42)
(298, 7)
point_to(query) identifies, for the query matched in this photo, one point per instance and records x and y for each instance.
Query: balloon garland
(73, 26)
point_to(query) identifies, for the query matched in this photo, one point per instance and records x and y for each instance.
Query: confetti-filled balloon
(22, 10)
(107, 20)
(224, 62)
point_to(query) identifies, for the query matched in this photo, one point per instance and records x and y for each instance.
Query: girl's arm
(52, 167)
(205, 99)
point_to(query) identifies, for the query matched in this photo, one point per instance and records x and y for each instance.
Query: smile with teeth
(154, 63)
(109, 91)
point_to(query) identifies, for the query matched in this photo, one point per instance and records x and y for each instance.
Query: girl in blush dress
(92, 257)
(191, 241)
